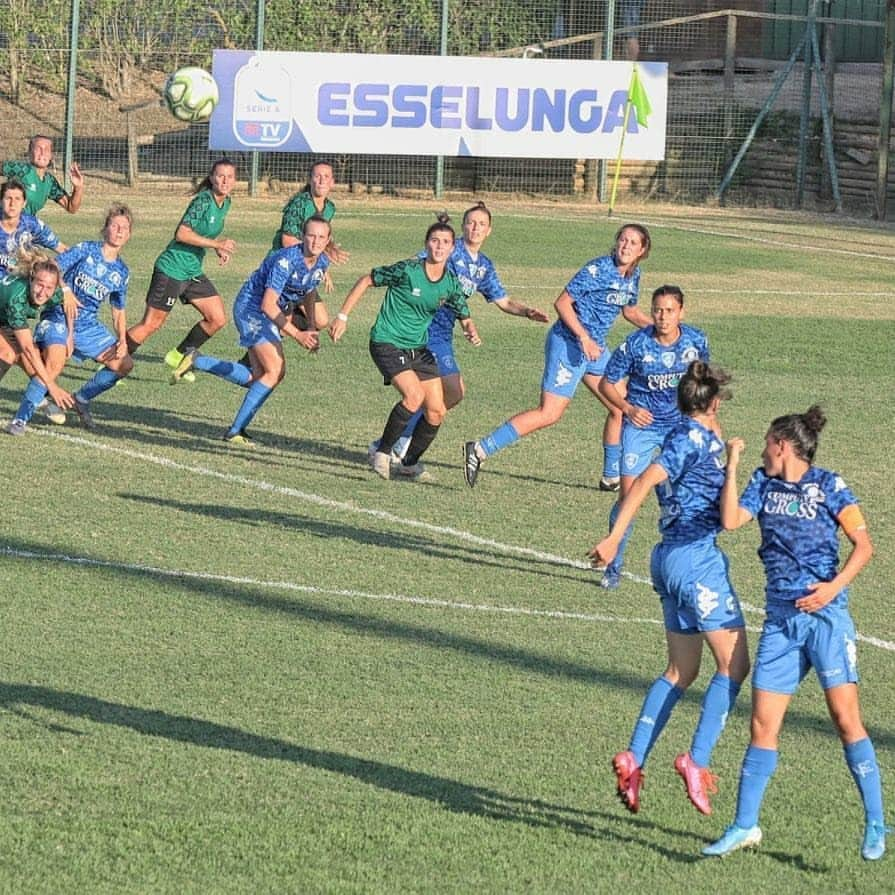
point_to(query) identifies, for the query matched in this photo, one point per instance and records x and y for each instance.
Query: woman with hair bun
(690, 575)
(416, 289)
(800, 509)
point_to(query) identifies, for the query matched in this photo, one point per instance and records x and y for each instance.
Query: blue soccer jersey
(475, 275)
(799, 528)
(286, 272)
(599, 292)
(31, 231)
(689, 500)
(653, 370)
(93, 280)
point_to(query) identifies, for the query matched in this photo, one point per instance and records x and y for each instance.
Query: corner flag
(638, 99)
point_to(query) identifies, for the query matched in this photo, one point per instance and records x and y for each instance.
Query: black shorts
(165, 290)
(392, 360)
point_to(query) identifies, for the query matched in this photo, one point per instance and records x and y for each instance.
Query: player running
(311, 201)
(178, 270)
(652, 360)
(576, 350)
(40, 185)
(416, 289)
(476, 273)
(690, 575)
(800, 509)
(95, 273)
(290, 275)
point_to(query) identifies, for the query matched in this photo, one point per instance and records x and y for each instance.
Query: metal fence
(105, 61)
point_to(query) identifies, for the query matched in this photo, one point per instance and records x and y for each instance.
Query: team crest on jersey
(593, 270)
(668, 359)
(696, 437)
(688, 355)
(115, 278)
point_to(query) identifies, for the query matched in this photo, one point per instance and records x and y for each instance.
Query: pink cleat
(630, 779)
(699, 782)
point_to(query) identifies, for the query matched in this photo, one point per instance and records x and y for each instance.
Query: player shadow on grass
(443, 792)
(158, 427)
(257, 597)
(395, 539)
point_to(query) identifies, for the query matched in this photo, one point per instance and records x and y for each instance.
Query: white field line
(323, 591)
(348, 507)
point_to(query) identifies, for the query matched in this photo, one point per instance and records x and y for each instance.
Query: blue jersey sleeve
(620, 364)
(752, 499)
(41, 234)
(71, 257)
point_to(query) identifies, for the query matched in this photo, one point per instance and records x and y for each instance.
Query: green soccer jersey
(38, 190)
(296, 211)
(411, 301)
(203, 216)
(15, 304)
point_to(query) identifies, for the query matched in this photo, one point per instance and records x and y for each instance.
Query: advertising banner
(438, 105)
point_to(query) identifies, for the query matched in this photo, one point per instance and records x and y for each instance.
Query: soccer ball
(191, 94)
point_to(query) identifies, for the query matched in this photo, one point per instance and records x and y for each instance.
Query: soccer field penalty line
(557, 614)
(344, 506)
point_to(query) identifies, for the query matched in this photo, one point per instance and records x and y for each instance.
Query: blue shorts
(92, 339)
(792, 642)
(641, 446)
(693, 583)
(565, 364)
(254, 326)
(51, 330)
(443, 352)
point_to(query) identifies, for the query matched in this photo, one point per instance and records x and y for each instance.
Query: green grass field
(235, 670)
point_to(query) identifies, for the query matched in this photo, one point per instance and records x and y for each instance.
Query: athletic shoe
(629, 778)
(382, 464)
(247, 438)
(415, 472)
(372, 447)
(699, 782)
(734, 838)
(610, 483)
(184, 367)
(874, 846)
(472, 463)
(83, 410)
(239, 439)
(173, 359)
(611, 579)
(399, 449)
(53, 412)
(18, 427)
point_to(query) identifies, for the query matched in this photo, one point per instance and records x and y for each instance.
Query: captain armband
(852, 519)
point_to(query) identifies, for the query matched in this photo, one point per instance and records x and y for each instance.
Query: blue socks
(619, 561)
(257, 394)
(861, 760)
(661, 698)
(411, 426)
(229, 370)
(102, 381)
(502, 437)
(720, 697)
(758, 768)
(612, 461)
(34, 394)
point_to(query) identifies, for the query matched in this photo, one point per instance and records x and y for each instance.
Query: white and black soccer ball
(191, 94)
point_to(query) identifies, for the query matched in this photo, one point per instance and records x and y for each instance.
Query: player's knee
(215, 321)
(413, 400)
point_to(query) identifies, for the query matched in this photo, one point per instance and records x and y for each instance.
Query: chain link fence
(724, 65)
